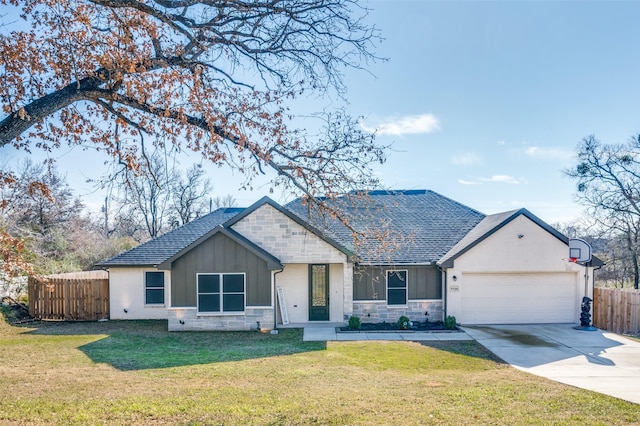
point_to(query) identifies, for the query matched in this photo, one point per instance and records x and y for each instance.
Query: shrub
(450, 322)
(354, 323)
(404, 323)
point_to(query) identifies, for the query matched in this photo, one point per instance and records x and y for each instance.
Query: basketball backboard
(579, 250)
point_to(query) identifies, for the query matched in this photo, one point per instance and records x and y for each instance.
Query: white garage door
(519, 298)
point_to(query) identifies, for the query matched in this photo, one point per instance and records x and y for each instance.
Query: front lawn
(136, 372)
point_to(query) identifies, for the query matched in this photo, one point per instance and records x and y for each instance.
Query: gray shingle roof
(156, 251)
(421, 226)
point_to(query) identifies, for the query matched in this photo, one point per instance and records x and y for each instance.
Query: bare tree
(189, 195)
(146, 194)
(608, 184)
(225, 201)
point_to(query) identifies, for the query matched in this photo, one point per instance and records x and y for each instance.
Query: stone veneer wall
(285, 239)
(194, 322)
(379, 311)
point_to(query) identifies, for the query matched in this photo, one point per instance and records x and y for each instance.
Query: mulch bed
(390, 326)
(15, 312)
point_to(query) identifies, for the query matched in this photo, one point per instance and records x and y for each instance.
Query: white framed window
(220, 293)
(397, 287)
(153, 288)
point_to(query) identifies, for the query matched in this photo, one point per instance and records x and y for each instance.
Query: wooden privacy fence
(77, 296)
(617, 310)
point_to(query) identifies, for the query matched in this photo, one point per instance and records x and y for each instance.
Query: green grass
(136, 372)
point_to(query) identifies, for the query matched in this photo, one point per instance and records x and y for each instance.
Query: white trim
(406, 286)
(424, 300)
(144, 289)
(258, 307)
(184, 308)
(369, 301)
(221, 314)
(398, 265)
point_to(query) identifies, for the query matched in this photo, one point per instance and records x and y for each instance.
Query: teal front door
(318, 292)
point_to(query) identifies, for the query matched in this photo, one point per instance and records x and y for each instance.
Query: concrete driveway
(596, 360)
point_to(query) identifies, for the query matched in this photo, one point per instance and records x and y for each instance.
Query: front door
(318, 292)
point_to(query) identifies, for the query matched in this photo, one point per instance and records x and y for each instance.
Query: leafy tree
(39, 200)
(44, 230)
(216, 78)
(608, 184)
(213, 77)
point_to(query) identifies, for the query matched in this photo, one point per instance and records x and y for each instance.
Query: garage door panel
(518, 298)
(518, 317)
(516, 290)
(518, 304)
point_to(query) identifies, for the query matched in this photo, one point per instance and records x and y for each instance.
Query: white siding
(294, 281)
(505, 271)
(126, 292)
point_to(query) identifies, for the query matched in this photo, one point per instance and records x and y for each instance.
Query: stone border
(457, 330)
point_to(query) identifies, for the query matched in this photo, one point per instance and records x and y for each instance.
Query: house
(423, 255)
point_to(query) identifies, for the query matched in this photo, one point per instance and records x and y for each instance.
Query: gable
(285, 238)
(490, 225)
(220, 254)
(271, 261)
(519, 245)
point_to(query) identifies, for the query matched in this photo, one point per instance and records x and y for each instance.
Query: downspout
(444, 292)
(275, 299)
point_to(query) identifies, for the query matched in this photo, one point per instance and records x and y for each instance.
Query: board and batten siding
(220, 254)
(424, 282)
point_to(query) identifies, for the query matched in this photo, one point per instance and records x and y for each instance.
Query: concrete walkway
(596, 360)
(317, 332)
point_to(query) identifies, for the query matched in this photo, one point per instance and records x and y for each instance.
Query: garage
(519, 298)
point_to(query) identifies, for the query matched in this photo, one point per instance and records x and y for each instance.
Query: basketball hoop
(573, 259)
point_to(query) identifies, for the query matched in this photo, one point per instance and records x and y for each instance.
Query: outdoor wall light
(181, 322)
(455, 278)
(520, 235)
(125, 310)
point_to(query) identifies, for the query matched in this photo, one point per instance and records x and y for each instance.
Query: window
(220, 293)
(154, 288)
(396, 287)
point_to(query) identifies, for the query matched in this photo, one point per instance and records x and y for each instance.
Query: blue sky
(484, 102)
